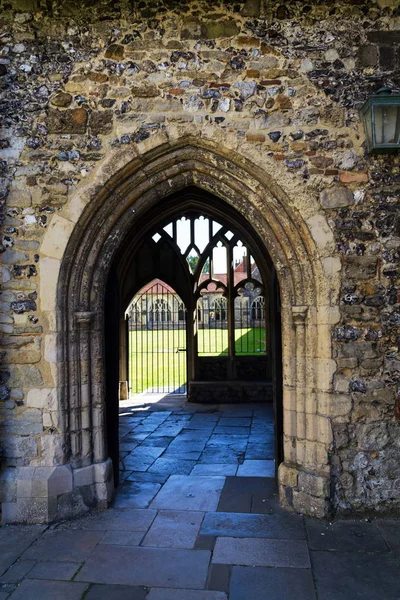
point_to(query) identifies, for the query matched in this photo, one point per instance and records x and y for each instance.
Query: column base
(304, 492)
(49, 494)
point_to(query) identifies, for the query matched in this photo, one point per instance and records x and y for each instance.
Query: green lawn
(156, 362)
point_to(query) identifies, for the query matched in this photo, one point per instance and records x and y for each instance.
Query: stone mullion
(299, 314)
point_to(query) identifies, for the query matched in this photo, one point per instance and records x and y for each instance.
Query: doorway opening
(156, 323)
(199, 315)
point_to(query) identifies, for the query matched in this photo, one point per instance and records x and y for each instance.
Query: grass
(156, 359)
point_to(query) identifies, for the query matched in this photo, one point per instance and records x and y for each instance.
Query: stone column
(83, 451)
(299, 314)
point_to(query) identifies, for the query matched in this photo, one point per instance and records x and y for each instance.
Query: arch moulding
(97, 230)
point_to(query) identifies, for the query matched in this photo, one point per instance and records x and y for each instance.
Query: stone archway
(306, 279)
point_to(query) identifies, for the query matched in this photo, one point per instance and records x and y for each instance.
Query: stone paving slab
(134, 437)
(14, 539)
(186, 446)
(281, 526)
(257, 495)
(220, 455)
(390, 531)
(65, 546)
(257, 468)
(135, 464)
(248, 583)
(135, 494)
(171, 594)
(114, 520)
(128, 559)
(17, 571)
(224, 429)
(156, 441)
(359, 536)
(349, 575)
(218, 441)
(219, 577)
(147, 477)
(194, 435)
(203, 425)
(214, 469)
(235, 421)
(35, 589)
(174, 454)
(122, 538)
(146, 453)
(190, 493)
(174, 529)
(157, 567)
(63, 571)
(172, 466)
(116, 592)
(261, 552)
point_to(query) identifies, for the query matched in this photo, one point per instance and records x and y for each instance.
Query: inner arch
(247, 363)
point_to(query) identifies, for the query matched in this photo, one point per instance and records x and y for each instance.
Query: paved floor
(197, 518)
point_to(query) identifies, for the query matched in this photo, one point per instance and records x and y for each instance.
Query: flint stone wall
(279, 83)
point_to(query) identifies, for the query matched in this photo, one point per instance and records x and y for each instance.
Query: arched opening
(111, 216)
(156, 332)
(200, 259)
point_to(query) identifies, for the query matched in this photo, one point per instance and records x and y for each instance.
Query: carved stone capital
(84, 318)
(299, 314)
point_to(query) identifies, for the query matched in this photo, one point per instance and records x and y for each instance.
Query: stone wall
(276, 83)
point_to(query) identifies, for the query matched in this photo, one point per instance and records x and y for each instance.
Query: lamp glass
(387, 124)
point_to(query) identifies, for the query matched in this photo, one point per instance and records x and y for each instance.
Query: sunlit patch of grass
(158, 358)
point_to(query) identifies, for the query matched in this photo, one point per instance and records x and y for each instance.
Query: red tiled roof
(153, 285)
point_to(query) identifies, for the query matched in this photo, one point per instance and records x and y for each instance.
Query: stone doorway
(205, 257)
(95, 254)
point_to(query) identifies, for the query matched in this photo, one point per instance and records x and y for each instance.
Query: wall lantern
(381, 118)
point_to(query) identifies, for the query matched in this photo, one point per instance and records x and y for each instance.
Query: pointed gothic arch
(306, 299)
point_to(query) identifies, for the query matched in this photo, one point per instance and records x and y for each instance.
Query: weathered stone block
(313, 484)
(83, 476)
(217, 29)
(384, 37)
(57, 237)
(115, 52)
(251, 8)
(34, 510)
(28, 423)
(287, 475)
(52, 481)
(103, 472)
(8, 485)
(145, 90)
(19, 447)
(41, 398)
(19, 196)
(62, 99)
(310, 505)
(336, 197)
(101, 122)
(25, 376)
(361, 267)
(387, 58)
(368, 56)
(360, 350)
(67, 121)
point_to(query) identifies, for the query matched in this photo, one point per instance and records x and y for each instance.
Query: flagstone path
(197, 517)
